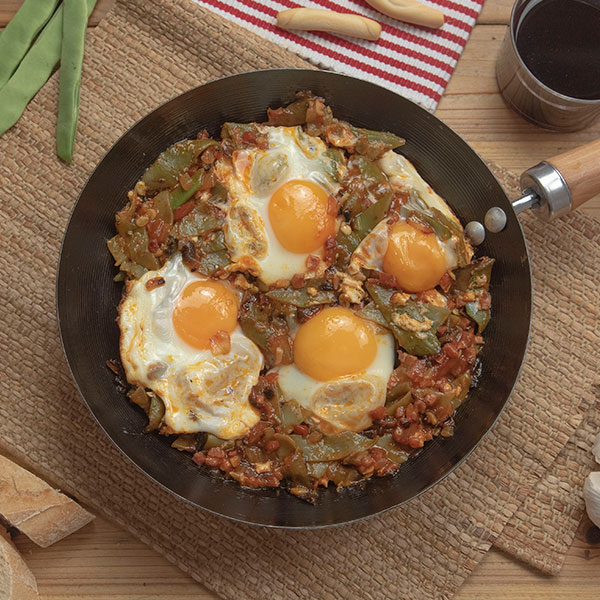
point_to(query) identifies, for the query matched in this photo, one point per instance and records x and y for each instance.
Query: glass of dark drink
(549, 66)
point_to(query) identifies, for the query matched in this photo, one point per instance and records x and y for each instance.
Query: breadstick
(315, 19)
(410, 11)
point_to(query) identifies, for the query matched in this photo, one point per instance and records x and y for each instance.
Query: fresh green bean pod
(20, 33)
(75, 17)
(34, 70)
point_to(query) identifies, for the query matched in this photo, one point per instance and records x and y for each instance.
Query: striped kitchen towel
(414, 61)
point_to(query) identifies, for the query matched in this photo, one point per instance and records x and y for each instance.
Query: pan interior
(87, 296)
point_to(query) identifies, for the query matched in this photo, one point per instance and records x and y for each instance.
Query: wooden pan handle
(580, 168)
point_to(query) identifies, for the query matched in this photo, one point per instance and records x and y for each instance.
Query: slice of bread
(16, 580)
(42, 513)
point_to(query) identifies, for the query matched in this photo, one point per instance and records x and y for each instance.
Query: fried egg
(341, 367)
(181, 339)
(414, 253)
(280, 208)
(404, 177)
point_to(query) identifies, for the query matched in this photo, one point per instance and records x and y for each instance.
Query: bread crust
(16, 580)
(42, 513)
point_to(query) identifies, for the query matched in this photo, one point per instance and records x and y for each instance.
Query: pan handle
(563, 182)
(580, 168)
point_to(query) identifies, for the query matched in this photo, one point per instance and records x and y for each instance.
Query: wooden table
(103, 561)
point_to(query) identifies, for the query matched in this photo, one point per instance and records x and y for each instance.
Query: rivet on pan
(475, 232)
(495, 219)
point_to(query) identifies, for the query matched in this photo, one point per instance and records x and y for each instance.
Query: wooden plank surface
(9, 7)
(103, 562)
(495, 12)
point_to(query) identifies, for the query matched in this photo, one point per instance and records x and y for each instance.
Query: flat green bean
(75, 16)
(34, 70)
(20, 33)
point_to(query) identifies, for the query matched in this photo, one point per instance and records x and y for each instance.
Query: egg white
(200, 391)
(344, 403)
(404, 177)
(251, 177)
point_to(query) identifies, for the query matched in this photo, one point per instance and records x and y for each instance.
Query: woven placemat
(135, 60)
(542, 530)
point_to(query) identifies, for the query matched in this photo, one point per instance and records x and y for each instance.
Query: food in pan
(300, 307)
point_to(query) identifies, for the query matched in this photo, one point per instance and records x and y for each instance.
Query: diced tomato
(445, 282)
(451, 350)
(301, 430)
(158, 232)
(387, 280)
(249, 137)
(183, 210)
(378, 413)
(485, 300)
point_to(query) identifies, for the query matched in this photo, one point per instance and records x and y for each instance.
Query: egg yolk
(334, 343)
(414, 258)
(299, 216)
(203, 309)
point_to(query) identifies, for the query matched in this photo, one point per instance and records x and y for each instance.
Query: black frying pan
(87, 297)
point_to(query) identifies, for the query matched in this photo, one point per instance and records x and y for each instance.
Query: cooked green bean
(156, 412)
(33, 71)
(305, 297)
(170, 164)
(481, 317)
(20, 33)
(180, 196)
(418, 343)
(75, 16)
(333, 447)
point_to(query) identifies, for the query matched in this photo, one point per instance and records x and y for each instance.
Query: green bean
(186, 442)
(208, 255)
(20, 33)
(140, 398)
(333, 447)
(156, 412)
(336, 159)
(481, 317)
(291, 414)
(301, 297)
(162, 203)
(33, 71)
(375, 188)
(393, 452)
(75, 16)
(422, 343)
(180, 196)
(403, 400)
(200, 221)
(241, 135)
(474, 276)
(373, 314)
(212, 441)
(382, 137)
(290, 115)
(373, 144)
(166, 169)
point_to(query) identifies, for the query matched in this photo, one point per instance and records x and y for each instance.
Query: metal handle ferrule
(545, 182)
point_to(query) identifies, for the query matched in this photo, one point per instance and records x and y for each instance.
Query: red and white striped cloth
(413, 61)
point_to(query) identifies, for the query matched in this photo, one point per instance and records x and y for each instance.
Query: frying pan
(87, 297)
